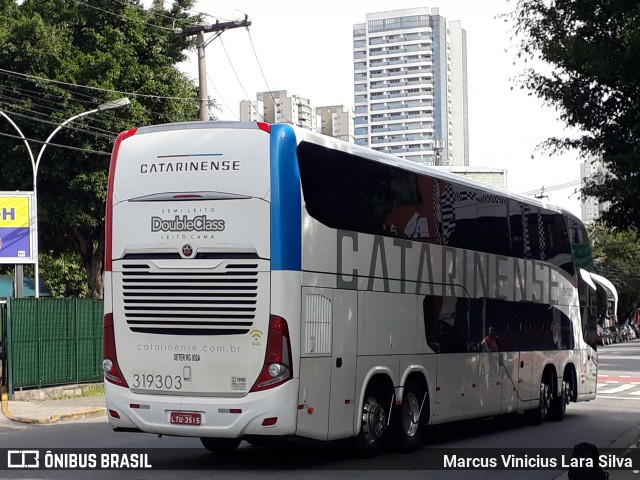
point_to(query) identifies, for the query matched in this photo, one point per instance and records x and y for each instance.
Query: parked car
(614, 333)
(630, 333)
(624, 333)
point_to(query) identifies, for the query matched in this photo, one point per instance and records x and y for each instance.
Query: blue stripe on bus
(286, 200)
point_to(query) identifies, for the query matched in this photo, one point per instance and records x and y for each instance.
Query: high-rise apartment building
(251, 111)
(282, 107)
(279, 107)
(410, 83)
(590, 206)
(336, 121)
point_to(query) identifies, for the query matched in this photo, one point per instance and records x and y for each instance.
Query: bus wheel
(408, 420)
(374, 423)
(220, 445)
(539, 415)
(558, 406)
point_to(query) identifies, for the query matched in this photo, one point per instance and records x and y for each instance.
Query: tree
(593, 50)
(617, 258)
(63, 57)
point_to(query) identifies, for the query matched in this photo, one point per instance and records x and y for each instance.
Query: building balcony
(395, 128)
(407, 116)
(423, 37)
(403, 72)
(400, 83)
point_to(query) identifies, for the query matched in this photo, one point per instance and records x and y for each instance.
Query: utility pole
(199, 31)
(541, 195)
(437, 150)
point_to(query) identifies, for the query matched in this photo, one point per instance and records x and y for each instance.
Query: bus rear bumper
(271, 412)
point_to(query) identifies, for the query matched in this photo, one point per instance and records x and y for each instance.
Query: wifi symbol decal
(256, 334)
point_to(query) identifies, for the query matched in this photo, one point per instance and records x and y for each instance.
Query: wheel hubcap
(567, 392)
(545, 397)
(410, 414)
(373, 420)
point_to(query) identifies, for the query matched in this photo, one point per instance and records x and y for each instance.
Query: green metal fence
(51, 341)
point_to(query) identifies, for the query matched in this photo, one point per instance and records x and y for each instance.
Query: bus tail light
(110, 365)
(276, 369)
(108, 222)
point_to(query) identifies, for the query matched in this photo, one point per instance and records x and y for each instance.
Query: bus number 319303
(149, 381)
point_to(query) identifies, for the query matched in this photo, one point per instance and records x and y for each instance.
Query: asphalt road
(612, 419)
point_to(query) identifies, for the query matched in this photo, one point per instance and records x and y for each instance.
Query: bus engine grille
(213, 302)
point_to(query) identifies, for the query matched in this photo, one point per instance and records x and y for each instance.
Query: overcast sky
(306, 48)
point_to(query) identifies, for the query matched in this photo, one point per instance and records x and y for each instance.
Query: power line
(239, 82)
(152, 11)
(108, 134)
(63, 105)
(40, 97)
(12, 107)
(561, 186)
(120, 92)
(69, 147)
(199, 13)
(122, 16)
(220, 96)
(265, 79)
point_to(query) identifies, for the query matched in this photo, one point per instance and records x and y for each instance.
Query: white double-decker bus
(266, 281)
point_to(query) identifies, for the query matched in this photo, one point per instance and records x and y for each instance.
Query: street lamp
(18, 276)
(35, 164)
(120, 102)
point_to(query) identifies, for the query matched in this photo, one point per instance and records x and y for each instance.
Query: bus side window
(431, 307)
(446, 323)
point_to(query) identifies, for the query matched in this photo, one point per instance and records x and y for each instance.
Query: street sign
(17, 228)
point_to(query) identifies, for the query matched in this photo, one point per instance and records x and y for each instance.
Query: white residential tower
(410, 83)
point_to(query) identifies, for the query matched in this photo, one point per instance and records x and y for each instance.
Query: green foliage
(593, 50)
(64, 274)
(119, 48)
(617, 258)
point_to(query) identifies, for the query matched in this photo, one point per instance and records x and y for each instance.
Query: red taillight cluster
(108, 223)
(276, 369)
(265, 127)
(110, 365)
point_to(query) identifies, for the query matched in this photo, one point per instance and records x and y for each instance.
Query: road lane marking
(619, 389)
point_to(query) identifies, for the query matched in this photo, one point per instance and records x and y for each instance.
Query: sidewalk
(27, 409)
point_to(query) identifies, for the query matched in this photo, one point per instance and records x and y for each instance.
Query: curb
(63, 417)
(626, 441)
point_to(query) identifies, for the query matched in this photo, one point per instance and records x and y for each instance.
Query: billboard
(17, 228)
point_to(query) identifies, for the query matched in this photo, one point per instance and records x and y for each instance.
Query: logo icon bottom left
(23, 459)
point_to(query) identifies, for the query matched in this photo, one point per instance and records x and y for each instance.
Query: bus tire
(407, 420)
(558, 407)
(374, 423)
(220, 445)
(538, 415)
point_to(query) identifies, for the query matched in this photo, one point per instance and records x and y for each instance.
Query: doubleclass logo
(185, 224)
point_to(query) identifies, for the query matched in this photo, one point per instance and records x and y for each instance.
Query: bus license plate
(185, 418)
